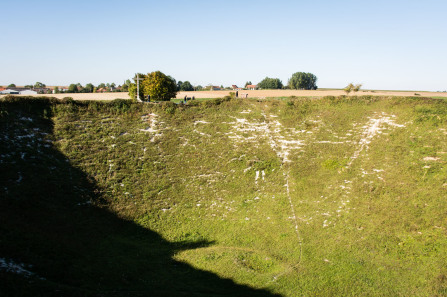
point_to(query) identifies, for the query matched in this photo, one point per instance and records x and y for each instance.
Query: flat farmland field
(305, 93)
(251, 94)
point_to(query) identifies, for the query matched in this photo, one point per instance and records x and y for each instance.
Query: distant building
(9, 92)
(214, 88)
(236, 88)
(251, 87)
(28, 92)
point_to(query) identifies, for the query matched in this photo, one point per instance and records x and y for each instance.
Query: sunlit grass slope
(326, 197)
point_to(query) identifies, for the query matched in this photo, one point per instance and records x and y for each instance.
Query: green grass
(111, 207)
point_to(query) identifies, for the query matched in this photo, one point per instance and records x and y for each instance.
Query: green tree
(72, 88)
(352, 88)
(303, 81)
(348, 88)
(39, 85)
(248, 83)
(179, 85)
(89, 88)
(186, 86)
(125, 86)
(28, 86)
(101, 85)
(270, 83)
(56, 90)
(357, 87)
(11, 86)
(80, 88)
(159, 86)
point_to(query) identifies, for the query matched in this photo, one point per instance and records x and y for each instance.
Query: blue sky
(394, 44)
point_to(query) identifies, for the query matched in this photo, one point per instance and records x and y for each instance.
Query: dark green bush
(215, 102)
(168, 107)
(121, 105)
(68, 100)
(29, 103)
(193, 103)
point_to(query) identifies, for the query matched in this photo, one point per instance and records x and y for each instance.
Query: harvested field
(251, 94)
(305, 93)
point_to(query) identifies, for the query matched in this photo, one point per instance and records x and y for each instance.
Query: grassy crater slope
(327, 197)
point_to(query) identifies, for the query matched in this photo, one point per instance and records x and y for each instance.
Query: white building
(28, 92)
(9, 91)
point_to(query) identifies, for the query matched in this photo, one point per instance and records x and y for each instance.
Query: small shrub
(215, 102)
(168, 107)
(193, 103)
(121, 105)
(67, 100)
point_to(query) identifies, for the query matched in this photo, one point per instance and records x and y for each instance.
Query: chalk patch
(17, 268)
(200, 122)
(374, 127)
(431, 159)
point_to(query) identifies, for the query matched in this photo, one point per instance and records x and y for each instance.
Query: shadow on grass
(71, 247)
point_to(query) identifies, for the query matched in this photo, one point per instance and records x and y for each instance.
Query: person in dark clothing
(237, 94)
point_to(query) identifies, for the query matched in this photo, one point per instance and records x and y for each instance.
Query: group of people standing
(188, 98)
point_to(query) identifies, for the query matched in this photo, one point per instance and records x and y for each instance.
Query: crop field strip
(259, 94)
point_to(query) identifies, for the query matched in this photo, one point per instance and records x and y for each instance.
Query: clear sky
(392, 44)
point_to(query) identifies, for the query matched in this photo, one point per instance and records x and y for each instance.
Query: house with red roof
(251, 87)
